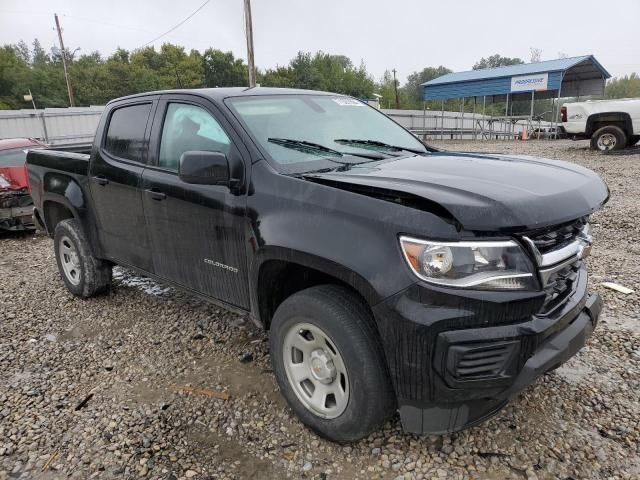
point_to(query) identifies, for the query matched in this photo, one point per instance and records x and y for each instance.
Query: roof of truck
(226, 92)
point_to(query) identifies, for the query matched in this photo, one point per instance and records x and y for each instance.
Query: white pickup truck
(610, 124)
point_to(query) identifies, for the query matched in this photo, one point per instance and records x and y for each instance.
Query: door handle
(156, 195)
(100, 180)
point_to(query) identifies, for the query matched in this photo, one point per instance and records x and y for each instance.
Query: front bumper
(456, 359)
(16, 218)
(16, 211)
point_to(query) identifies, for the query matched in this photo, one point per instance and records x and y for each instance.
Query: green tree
(281, 77)
(496, 61)
(222, 69)
(23, 52)
(13, 72)
(96, 79)
(623, 87)
(413, 88)
(385, 88)
(322, 71)
(90, 82)
(39, 54)
(171, 67)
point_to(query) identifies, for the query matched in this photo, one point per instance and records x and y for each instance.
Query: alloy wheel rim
(316, 370)
(70, 260)
(607, 141)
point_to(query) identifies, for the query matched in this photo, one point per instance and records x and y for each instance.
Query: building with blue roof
(551, 79)
(567, 77)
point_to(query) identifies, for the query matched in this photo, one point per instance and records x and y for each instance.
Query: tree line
(97, 79)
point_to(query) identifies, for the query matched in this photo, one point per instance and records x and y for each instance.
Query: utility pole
(395, 87)
(64, 61)
(249, 33)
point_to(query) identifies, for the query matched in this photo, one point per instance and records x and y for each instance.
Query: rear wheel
(609, 138)
(329, 363)
(83, 274)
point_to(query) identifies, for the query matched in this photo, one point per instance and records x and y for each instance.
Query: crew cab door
(197, 231)
(117, 162)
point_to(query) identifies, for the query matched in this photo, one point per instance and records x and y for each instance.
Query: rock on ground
(91, 389)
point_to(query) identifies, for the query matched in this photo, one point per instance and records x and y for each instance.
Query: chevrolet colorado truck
(610, 124)
(389, 275)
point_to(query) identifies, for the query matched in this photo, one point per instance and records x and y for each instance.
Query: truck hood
(482, 192)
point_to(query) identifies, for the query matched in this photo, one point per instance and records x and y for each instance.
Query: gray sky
(405, 34)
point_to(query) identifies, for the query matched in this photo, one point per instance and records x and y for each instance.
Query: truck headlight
(490, 265)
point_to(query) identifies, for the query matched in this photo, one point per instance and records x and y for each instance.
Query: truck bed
(58, 160)
(56, 174)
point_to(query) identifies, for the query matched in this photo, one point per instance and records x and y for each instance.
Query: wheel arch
(55, 210)
(618, 119)
(278, 273)
(62, 198)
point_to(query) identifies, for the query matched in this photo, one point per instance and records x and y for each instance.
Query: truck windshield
(300, 129)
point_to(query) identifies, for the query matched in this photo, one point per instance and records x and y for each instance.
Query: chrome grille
(552, 239)
(560, 285)
(559, 252)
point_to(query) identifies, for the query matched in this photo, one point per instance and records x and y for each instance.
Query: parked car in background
(16, 206)
(610, 124)
(545, 133)
(390, 275)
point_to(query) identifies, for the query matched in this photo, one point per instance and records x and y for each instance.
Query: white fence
(434, 125)
(58, 126)
(53, 125)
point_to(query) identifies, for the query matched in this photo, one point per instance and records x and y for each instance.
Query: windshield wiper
(303, 146)
(314, 148)
(375, 145)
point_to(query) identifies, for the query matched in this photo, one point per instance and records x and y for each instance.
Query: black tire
(93, 276)
(615, 137)
(633, 139)
(346, 319)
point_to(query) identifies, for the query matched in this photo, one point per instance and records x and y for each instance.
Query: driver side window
(188, 127)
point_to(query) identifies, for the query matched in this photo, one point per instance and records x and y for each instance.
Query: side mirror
(204, 168)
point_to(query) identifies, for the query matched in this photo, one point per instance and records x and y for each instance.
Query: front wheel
(83, 274)
(329, 363)
(609, 138)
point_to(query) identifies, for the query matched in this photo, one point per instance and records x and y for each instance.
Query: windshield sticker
(347, 102)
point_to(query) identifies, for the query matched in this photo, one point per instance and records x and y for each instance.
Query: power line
(176, 26)
(91, 20)
(100, 22)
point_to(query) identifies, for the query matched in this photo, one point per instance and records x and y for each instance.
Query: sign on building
(527, 83)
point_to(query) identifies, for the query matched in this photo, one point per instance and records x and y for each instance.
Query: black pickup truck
(390, 275)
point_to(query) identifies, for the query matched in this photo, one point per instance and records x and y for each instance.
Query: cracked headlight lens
(490, 265)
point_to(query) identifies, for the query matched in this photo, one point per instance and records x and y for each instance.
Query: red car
(16, 206)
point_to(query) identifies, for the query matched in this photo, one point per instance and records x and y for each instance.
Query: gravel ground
(90, 389)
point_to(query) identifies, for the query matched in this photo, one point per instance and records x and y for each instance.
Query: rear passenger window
(125, 135)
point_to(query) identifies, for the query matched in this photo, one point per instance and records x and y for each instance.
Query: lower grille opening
(479, 361)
